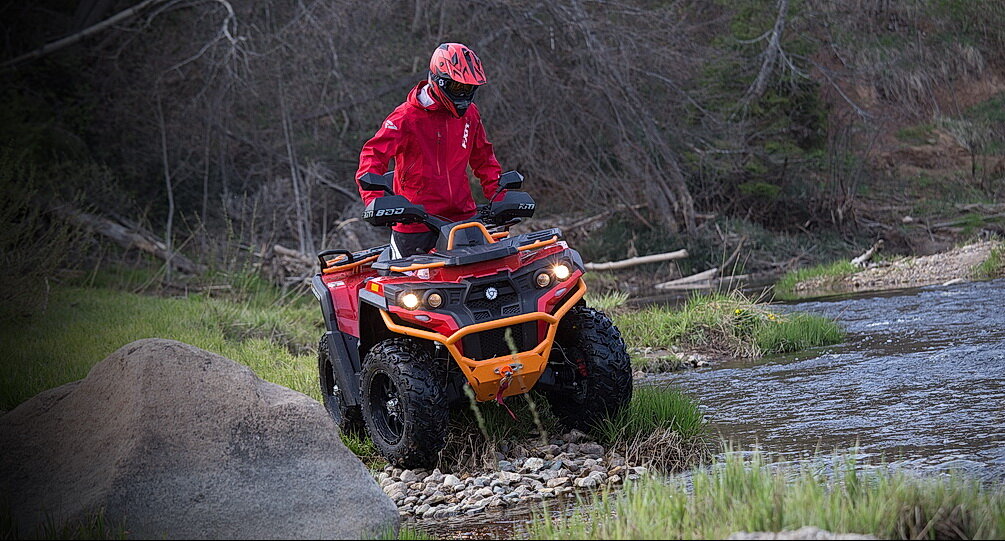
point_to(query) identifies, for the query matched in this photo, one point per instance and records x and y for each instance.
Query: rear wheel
(602, 371)
(348, 418)
(404, 403)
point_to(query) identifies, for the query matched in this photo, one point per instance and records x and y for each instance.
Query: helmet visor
(459, 90)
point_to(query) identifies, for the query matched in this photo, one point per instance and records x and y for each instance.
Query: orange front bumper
(484, 376)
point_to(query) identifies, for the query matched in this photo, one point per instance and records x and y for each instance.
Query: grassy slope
(729, 324)
(81, 326)
(745, 494)
(785, 288)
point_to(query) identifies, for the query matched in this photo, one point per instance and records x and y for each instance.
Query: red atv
(503, 314)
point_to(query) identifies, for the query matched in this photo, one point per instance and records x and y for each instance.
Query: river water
(919, 381)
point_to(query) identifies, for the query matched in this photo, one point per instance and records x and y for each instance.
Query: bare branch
(54, 46)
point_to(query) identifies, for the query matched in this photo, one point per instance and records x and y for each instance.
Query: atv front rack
(465, 255)
(485, 376)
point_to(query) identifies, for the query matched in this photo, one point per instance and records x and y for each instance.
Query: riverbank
(979, 260)
(749, 494)
(713, 327)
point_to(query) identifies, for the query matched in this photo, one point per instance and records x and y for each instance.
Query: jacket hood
(413, 98)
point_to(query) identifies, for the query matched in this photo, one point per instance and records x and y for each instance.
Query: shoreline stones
(526, 472)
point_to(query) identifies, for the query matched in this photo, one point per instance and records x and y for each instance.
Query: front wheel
(601, 369)
(404, 403)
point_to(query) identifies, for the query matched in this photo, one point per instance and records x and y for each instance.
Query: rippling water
(918, 381)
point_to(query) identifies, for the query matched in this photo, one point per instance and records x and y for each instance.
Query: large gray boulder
(177, 442)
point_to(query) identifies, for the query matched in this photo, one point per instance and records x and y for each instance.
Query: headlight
(543, 279)
(561, 271)
(434, 299)
(409, 300)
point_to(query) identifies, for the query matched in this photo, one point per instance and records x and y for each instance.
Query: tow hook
(507, 372)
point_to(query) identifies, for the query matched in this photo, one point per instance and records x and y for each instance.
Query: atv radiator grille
(492, 343)
(506, 302)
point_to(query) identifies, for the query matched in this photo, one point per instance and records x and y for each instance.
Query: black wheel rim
(386, 409)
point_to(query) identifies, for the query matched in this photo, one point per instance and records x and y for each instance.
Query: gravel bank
(526, 472)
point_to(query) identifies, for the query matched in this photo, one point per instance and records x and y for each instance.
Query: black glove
(483, 212)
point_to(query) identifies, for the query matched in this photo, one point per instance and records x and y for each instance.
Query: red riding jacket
(431, 151)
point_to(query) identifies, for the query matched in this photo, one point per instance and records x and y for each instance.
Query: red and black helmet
(454, 74)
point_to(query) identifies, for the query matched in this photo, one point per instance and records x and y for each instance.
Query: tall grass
(661, 428)
(728, 324)
(95, 526)
(785, 288)
(747, 494)
(33, 242)
(608, 301)
(993, 266)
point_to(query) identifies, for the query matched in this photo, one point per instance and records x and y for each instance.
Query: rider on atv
(433, 137)
(456, 306)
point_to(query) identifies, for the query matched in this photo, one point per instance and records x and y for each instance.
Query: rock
(533, 464)
(452, 481)
(436, 477)
(483, 492)
(586, 482)
(558, 482)
(591, 449)
(436, 498)
(409, 476)
(508, 477)
(506, 465)
(806, 532)
(547, 475)
(574, 436)
(176, 442)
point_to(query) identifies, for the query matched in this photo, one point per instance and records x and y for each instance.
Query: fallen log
(127, 237)
(692, 281)
(861, 260)
(633, 261)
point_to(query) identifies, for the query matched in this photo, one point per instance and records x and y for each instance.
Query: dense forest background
(797, 130)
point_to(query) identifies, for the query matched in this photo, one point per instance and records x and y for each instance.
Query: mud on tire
(347, 418)
(603, 369)
(404, 405)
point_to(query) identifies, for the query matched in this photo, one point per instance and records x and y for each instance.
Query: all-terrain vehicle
(500, 313)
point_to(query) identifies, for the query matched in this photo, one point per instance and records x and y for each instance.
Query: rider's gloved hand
(483, 212)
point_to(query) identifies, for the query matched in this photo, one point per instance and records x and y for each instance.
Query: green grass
(747, 494)
(96, 526)
(608, 301)
(993, 266)
(916, 135)
(662, 428)
(727, 324)
(786, 285)
(652, 409)
(255, 326)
